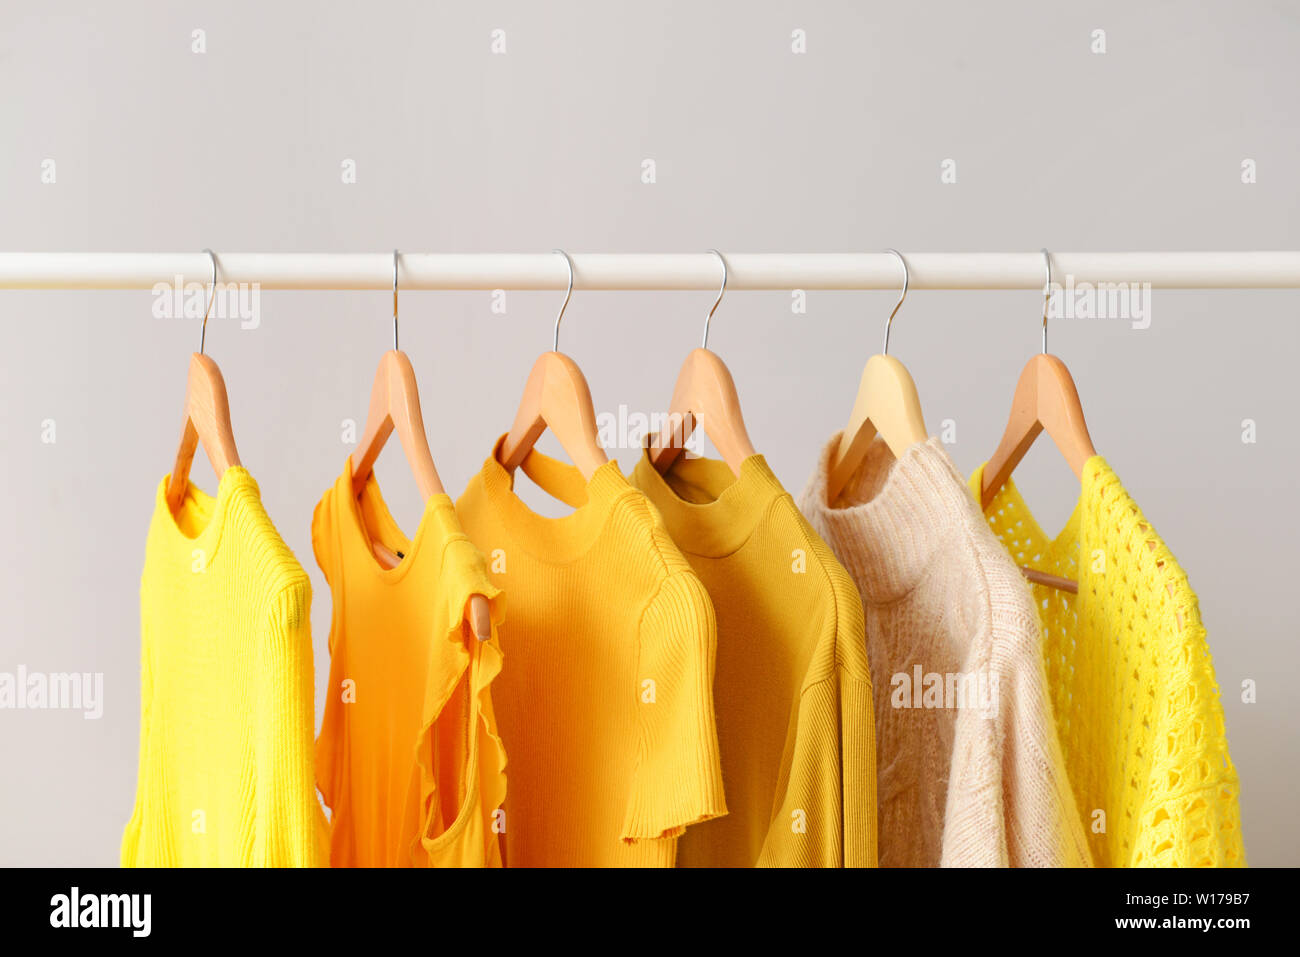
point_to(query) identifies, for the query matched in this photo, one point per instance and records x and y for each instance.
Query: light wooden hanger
(395, 407)
(887, 403)
(1045, 400)
(556, 397)
(207, 414)
(704, 392)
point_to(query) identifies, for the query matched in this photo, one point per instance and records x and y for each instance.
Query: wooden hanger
(207, 420)
(705, 393)
(395, 407)
(1045, 400)
(207, 414)
(887, 403)
(556, 397)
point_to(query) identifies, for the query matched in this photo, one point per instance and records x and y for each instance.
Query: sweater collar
(368, 520)
(198, 523)
(707, 509)
(892, 516)
(553, 540)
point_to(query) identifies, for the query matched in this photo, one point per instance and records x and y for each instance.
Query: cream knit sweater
(970, 772)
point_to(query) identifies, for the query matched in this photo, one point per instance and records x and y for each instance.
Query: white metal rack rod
(1020, 270)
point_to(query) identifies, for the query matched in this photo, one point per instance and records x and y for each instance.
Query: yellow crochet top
(1131, 680)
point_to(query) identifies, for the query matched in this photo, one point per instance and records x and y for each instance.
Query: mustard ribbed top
(793, 691)
(1131, 680)
(605, 704)
(226, 700)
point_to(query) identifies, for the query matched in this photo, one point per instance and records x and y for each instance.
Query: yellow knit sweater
(1132, 685)
(226, 702)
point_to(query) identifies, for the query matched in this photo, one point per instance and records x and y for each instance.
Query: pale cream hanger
(395, 407)
(1045, 400)
(556, 397)
(207, 414)
(887, 403)
(704, 392)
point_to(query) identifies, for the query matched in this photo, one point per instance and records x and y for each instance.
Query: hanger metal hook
(568, 293)
(212, 296)
(721, 292)
(1047, 294)
(394, 300)
(901, 296)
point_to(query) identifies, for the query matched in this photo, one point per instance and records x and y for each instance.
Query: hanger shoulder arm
(179, 478)
(720, 411)
(1023, 427)
(395, 407)
(1015, 443)
(480, 617)
(571, 415)
(887, 395)
(705, 394)
(207, 422)
(529, 423)
(1046, 400)
(408, 423)
(1061, 414)
(887, 403)
(556, 396)
(667, 447)
(210, 412)
(379, 426)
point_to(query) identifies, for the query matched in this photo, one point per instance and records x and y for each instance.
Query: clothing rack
(653, 271)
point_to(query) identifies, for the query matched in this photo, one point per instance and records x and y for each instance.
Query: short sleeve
(677, 775)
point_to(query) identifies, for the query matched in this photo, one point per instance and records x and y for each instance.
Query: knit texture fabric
(792, 692)
(1132, 683)
(226, 701)
(970, 772)
(409, 760)
(606, 703)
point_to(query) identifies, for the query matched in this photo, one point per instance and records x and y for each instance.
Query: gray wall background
(758, 150)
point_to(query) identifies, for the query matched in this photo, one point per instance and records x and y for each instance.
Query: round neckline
(887, 494)
(362, 533)
(214, 508)
(566, 538)
(721, 525)
(1054, 550)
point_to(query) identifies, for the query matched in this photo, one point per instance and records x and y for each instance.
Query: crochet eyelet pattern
(1132, 684)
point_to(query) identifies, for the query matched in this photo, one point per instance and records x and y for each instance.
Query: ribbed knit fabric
(1131, 680)
(409, 759)
(226, 702)
(970, 770)
(606, 702)
(793, 692)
